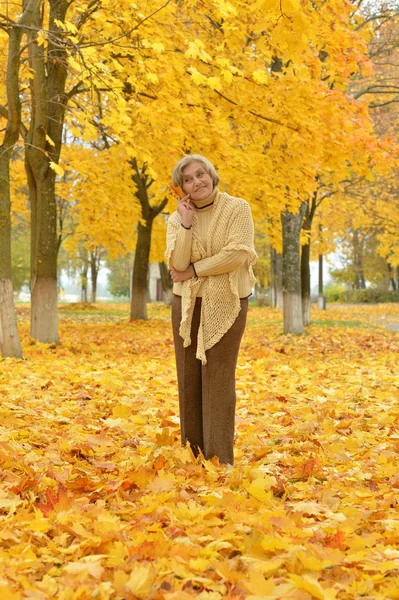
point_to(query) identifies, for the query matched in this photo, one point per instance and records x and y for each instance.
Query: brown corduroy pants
(207, 395)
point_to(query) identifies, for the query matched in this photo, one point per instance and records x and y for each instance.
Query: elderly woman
(210, 252)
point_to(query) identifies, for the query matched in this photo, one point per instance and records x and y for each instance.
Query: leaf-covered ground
(99, 500)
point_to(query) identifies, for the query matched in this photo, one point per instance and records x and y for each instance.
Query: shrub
(332, 292)
(369, 295)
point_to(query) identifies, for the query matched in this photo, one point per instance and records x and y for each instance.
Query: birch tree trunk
(292, 224)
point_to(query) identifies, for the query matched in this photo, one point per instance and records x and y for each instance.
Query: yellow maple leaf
(117, 554)
(227, 75)
(57, 168)
(41, 38)
(121, 411)
(90, 565)
(7, 593)
(258, 584)
(260, 76)
(152, 77)
(39, 523)
(141, 581)
(214, 83)
(310, 584)
(200, 564)
(50, 141)
(259, 488)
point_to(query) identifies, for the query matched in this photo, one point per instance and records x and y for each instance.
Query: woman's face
(196, 181)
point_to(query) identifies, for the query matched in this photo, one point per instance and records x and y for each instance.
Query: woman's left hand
(179, 276)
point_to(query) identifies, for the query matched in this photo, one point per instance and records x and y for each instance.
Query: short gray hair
(177, 174)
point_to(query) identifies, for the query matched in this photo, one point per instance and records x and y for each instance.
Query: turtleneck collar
(206, 203)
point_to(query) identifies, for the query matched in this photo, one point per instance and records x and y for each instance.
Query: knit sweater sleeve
(181, 255)
(236, 250)
(222, 262)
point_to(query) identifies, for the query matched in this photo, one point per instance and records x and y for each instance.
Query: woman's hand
(179, 276)
(186, 210)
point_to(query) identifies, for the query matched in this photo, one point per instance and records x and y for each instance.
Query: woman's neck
(206, 203)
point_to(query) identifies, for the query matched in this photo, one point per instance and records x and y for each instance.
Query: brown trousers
(207, 395)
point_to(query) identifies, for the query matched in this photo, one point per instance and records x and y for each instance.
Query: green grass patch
(349, 324)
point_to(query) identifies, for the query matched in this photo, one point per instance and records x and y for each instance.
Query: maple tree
(291, 86)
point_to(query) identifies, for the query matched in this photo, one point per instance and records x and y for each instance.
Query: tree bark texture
(9, 342)
(138, 302)
(392, 282)
(138, 307)
(276, 288)
(94, 277)
(9, 339)
(360, 283)
(48, 102)
(292, 223)
(95, 261)
(167, 283)
(305, 284)
(84, 257)
(321, 301)
(305, 260)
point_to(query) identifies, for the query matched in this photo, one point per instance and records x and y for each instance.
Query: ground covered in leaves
(99, 500)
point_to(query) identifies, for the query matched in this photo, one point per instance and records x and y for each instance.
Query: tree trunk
(42, 146)
(138, 296)
(391, 278)
(276, 288)
(259, 291)
(305, 284)
(9, 339)
(138, 306)
(44, 314)
(292, 302)
(94, 268)
(321, 303)
(360, 283)
(305, 261)
(83, 286)
(167, 283)
(94, 277)
(84, 257)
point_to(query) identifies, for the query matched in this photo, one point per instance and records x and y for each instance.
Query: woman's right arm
(181, 255)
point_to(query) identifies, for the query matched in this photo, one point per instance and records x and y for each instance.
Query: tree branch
(252, 112)
(159, 208)
(128, 32)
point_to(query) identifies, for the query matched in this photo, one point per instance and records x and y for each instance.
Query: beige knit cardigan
(231, 228)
